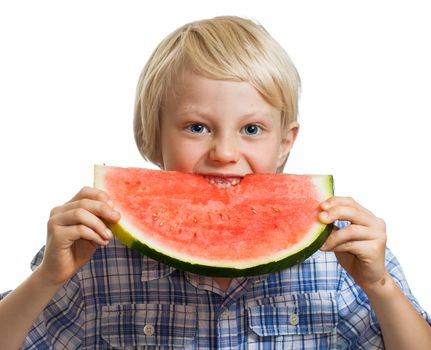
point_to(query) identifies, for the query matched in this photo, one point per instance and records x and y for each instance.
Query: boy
(219, 98)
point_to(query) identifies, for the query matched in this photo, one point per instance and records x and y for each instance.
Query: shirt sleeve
(60, 324)
(358, 327)
(397, 273)
(3, 295)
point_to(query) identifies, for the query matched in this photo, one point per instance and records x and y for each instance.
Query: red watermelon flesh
(265, 219)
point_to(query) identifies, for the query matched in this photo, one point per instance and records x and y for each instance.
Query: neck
(223, 282)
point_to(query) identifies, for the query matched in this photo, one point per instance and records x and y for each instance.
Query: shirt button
(149, 329)
(293, 319)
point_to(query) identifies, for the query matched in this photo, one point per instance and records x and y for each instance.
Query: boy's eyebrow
(208, 115)
(192, 111)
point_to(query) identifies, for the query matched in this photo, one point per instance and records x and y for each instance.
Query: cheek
(263, 157)
(180, 155)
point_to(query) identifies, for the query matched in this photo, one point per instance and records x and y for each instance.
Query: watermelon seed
(253, 210)
(195, 221)
(276, 210)
(221, 216)
(161, 223)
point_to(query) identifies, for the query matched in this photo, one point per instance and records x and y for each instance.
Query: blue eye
(252, 129)
(196, 128)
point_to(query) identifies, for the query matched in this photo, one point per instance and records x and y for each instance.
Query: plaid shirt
(123, 300)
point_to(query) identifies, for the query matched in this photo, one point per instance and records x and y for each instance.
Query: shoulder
(395, 270)
(118, 260)
(320, 272)
(113, 268)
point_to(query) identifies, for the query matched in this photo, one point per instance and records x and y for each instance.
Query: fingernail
(324, 215)
(115, 214)
(324, 246)
(110, 203)
(108, 233)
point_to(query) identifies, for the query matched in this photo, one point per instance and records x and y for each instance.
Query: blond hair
(227, 48)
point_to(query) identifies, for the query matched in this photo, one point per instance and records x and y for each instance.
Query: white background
(68, 72)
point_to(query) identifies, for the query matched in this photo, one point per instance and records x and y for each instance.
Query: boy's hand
(75, 229)
(360, 246)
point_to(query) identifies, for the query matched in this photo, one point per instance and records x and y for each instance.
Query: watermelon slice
(264, 223)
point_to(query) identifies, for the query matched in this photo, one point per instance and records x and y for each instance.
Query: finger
(80, 216)
(343, 201)
(92, 193)
(352, 247)
(350, 213)
(349, 233)
(363, 250)
(77, 232)
(85, 193)
(98, 208)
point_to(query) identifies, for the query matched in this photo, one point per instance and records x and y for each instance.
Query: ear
(286, 143)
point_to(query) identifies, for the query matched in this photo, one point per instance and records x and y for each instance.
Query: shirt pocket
(294, 319)
(148, 326)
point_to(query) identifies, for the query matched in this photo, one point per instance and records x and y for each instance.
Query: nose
(224, 150)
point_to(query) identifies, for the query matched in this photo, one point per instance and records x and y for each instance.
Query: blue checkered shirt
(123, 300)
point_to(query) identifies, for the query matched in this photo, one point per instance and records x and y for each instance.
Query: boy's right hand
(75, 230)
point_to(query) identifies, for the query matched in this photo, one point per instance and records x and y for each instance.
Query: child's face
(222, 127)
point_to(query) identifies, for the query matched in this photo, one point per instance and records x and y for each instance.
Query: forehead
(195, 93)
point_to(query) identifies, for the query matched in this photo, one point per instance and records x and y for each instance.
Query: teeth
(223, 182)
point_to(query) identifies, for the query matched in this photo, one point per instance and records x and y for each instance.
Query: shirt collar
(155, 270)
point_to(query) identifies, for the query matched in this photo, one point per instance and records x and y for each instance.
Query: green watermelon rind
(221, 271)
(299, 255)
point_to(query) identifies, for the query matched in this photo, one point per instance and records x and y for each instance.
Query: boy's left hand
(360, 246)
